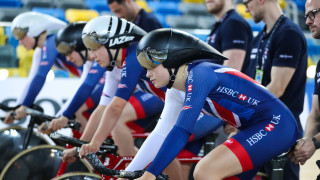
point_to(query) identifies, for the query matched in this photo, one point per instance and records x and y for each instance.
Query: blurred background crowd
(187, 15)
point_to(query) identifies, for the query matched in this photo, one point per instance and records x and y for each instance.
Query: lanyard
(260, 63)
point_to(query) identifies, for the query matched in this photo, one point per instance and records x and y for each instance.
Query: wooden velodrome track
(310, 170)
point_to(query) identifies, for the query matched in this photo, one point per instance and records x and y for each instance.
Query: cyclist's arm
(151, 146)
(109, 91)
(202, 82)
(84, 91)
(130, 75)
(36, 58)
(48, 56)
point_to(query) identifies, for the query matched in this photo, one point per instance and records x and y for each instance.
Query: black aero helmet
(111, 32)
(69, 38)
(173, 48)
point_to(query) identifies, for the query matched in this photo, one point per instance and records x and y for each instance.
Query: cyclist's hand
(44, 128)
(9, 118)
(147, 176)
(58, 123)
(88, 148)
(69, 155)
(304, 150)
(21, 112)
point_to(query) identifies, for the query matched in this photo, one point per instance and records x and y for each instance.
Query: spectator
(310, 143)
(279, 62)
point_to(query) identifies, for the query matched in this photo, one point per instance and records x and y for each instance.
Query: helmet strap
(172, 77)
(84, 58)
(36, 42)
(113, 60)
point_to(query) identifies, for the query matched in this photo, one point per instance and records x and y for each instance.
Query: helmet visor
(19, 33)
(93, 41)
(150, 58)
(66, 48)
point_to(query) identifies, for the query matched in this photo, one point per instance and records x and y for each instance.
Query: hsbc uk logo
(190, 87)
(264, 132)
(242, 97)
(236, 94)
(189, 81)
(269, 127)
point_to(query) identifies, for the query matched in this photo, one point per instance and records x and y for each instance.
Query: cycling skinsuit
(267, 127)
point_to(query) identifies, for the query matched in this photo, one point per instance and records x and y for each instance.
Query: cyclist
(266, 126)
(102, 44)
(69, 43)
(36, 31)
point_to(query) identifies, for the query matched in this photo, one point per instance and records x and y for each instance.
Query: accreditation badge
(259, 75)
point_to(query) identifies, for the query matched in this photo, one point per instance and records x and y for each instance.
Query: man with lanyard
(279, 61)
(34, 28)
(307, 146)
(232, 36)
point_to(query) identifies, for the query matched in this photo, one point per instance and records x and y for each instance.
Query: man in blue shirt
(231, 34)
(310, 143)
(278, 61)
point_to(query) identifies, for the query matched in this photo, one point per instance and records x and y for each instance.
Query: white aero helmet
(111, 32)
(33, 24)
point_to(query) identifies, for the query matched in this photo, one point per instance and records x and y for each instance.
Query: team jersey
(91, 87)
(43, 59)
(287, 48)
(238, 100)
(224, 36)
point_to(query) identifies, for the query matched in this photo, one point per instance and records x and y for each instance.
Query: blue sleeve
(84, 91)
(198, 85)
(130, 74)
(48, 56)
(236, 35)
